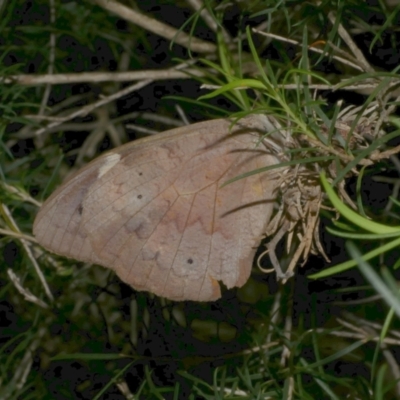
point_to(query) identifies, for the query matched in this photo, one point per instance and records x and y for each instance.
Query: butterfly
(156, 210)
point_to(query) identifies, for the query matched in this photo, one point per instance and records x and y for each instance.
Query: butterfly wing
(154, 210)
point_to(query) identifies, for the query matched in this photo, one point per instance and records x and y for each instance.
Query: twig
(25, 363)
(385, 154)
(52, 57)
(21, 194)
(182, 115)
(89, 108)
(7, 214)
(17, 235)
(28, 295)
(157, 27)
(24, 133)
(141, 129)
(394, 368)
(61, 79)
(208, 19)
(125, 391)
(350, 43)
(311, 48)
(358, 336)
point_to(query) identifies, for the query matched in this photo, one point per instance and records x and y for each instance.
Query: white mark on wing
(109, 162)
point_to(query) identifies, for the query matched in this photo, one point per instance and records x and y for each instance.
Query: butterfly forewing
(155, 210)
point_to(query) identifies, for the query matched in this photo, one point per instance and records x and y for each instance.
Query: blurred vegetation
(69, 330)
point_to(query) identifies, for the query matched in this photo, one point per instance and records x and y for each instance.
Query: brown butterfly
(157, 213)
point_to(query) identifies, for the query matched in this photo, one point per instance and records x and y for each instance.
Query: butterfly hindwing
(155, 210)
